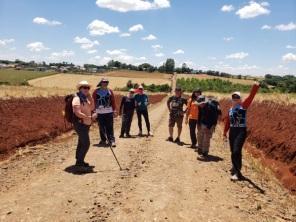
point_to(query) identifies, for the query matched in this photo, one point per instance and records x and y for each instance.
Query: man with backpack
(209, 113)
(175, 105)
(142, 102)
(127, 109)
(81, 117)
(106, 110)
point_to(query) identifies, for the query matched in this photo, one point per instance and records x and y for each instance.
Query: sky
(234, 36)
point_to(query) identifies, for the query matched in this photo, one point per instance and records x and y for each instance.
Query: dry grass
(138, 74)
(69, 81)
(204, 76)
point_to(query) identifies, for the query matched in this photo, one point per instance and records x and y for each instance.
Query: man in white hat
(83, 105)
(127, 109)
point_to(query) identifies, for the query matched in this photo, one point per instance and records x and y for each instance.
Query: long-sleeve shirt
(234, 118)
(127, 105)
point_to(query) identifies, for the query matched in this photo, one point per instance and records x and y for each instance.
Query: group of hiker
(201, 114)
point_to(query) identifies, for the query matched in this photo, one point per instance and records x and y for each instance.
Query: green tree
(169, 66)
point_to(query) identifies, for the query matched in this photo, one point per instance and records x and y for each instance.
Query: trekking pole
(110, 146)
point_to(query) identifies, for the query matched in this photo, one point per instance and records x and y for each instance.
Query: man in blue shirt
(141, 101)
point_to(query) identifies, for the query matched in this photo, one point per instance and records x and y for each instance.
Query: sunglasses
(85, 87)
(236, 97)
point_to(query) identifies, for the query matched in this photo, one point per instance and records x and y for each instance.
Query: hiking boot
(205, 154)
(128, 136)
(199, 151)
(121, 136)
(113, 144)
(85, 164)
(170, 139)
(234, 177)
(193, 146)
(177, 140)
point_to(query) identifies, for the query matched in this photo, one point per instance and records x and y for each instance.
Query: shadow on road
(210, 158)
(253, 184)
(79, 170)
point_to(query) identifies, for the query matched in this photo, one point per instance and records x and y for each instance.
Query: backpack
(215, 107)
(68, 111)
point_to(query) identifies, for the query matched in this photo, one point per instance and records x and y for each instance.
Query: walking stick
(110, 146)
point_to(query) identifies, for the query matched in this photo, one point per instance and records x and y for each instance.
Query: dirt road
(164, 182)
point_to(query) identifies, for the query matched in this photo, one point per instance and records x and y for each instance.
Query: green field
(19, 77)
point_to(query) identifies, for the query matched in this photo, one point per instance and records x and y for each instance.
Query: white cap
(141, 87)
(82, 83)
(236, 93)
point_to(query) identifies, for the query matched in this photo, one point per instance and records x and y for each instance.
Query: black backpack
(215, 109)
(68, 111)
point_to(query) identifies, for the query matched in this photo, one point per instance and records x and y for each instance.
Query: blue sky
(239, 37)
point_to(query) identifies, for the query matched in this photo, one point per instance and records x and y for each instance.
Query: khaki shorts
(174, 120)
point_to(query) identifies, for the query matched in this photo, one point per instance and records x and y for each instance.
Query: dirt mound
(36, 120)
(271, 129)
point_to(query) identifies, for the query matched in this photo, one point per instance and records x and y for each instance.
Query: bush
(152, 88)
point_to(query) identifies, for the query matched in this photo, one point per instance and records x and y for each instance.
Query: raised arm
(247, 102)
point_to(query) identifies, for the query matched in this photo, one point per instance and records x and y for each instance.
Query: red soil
(272, 132)
(35, 120)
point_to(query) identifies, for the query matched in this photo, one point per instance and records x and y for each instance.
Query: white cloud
(98, 27)
(291, 47)
(132, 5)
(247, 67)
(227, 8)
(266, 27)
(85, 43)
(4, 42)
(156, 47)
(179, 51)
(149, 37)
(159, 54)
(252, 10)
(44, 21)
(92, 51)
(116, 52)
(125, 34)
(136, 28)
(289, 57)
(122, 56)
(61, 56)
(36, 46)
(238, 55)
(286, 27)
(228, 39)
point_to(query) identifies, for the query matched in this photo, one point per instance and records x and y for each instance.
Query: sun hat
(141, 87)
(202, 100)
(132, 90)
(82, 83)
(103, 80)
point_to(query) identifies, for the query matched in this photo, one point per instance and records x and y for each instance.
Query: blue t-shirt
(141, 101)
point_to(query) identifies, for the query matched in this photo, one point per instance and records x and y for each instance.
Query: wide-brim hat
(83, 83)
(141, 87)
(236, 93)
(103, 80)
(132, 90)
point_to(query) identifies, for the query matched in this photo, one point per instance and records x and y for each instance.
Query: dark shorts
(176, 120)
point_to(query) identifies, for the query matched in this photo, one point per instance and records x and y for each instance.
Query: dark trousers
(82, 131)
(105, 122)
(237, 137)
(126, 123)
(146, 117)
(192, 128)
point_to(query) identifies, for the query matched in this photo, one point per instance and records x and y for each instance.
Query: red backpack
(68, 111)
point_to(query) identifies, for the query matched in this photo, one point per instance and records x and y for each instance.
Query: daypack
(215, 107)
(68, 111)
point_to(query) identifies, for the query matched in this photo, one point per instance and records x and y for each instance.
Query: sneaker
(170, 139)
(177, 140)
(234, 177)
(121, 136)
(113, 144)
